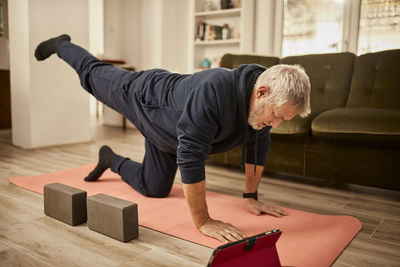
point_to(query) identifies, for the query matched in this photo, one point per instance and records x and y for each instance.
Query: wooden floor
(29, 238)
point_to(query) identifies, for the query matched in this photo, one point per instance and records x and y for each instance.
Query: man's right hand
(224, 232)
(196, 197)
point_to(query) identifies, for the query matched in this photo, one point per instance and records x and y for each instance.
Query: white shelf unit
(240, 21)
(218, 13)
(217, 42)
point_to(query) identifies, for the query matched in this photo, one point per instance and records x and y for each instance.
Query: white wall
(264, 22)
(175, 31)
(20, 73)
(4, 54)
(112, 29)
(4, 45)
(122, 41)
(146, 34)
(96, 27)
(152, 34)
(268, 27)
(96, 45)
(48, 105)
(131, 25)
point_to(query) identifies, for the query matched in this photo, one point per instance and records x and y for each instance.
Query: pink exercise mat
(307, 239)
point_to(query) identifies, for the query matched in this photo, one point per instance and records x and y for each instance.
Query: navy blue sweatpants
(108, 84)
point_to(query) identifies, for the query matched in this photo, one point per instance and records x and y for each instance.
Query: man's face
(264, 114)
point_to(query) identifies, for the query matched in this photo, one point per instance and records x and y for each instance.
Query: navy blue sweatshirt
(195, 115)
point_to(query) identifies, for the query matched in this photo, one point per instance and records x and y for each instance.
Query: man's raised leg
(107, 83)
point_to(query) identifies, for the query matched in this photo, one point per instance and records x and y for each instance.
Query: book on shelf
(213, 5)
(209, 32)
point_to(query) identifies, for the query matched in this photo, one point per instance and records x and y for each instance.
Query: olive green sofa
(353, 133)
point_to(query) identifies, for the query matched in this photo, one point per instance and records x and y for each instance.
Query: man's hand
(258, 207)
(196, 197)
(224, 232)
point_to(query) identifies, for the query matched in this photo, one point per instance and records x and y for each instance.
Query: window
(379, 25)
(312, 26)
(329, 26)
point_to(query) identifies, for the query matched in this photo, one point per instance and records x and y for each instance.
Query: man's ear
(263, 91)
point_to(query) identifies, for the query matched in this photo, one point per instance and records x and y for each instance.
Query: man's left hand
(258, 207)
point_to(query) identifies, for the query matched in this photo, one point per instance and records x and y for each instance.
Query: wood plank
(159, 258)
(364, 251)
(14, 257)
(390, 210)
(54, 242)
(190, 251)
(388, 231)
(13, 211)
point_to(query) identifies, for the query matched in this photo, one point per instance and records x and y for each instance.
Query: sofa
(353, 133)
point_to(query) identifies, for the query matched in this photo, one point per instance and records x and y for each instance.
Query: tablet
(257, 250)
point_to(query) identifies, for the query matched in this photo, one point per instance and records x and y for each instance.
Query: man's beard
(256, 113)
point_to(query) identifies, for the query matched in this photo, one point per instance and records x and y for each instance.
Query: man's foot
(49, 47)
(105, 157)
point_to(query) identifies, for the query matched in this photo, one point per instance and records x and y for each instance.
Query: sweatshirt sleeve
(196, 130)
(263, 143)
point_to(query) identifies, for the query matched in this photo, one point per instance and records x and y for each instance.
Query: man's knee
(157, 188)
(157, 184)
(158, 193)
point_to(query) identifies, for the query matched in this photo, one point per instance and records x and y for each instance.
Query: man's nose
(276, 123)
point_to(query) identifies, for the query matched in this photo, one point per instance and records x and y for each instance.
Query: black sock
(105, 157)
(49, 47)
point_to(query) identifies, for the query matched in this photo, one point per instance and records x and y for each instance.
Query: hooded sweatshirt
(198, 114)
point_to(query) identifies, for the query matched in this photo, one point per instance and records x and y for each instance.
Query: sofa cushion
(231, 61)
(359, 124)
(330, 77)
(376, 81)
(296, 126)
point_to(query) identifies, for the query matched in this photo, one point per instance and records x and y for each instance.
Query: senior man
(186, 117)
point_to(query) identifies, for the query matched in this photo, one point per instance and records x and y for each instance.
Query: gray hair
(287, 83)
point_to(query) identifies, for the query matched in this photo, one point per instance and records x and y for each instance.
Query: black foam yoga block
(65, 203)
(114, 217)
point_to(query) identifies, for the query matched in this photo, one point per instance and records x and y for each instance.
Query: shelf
(217, 42)
(219, 13)
(240, 20)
